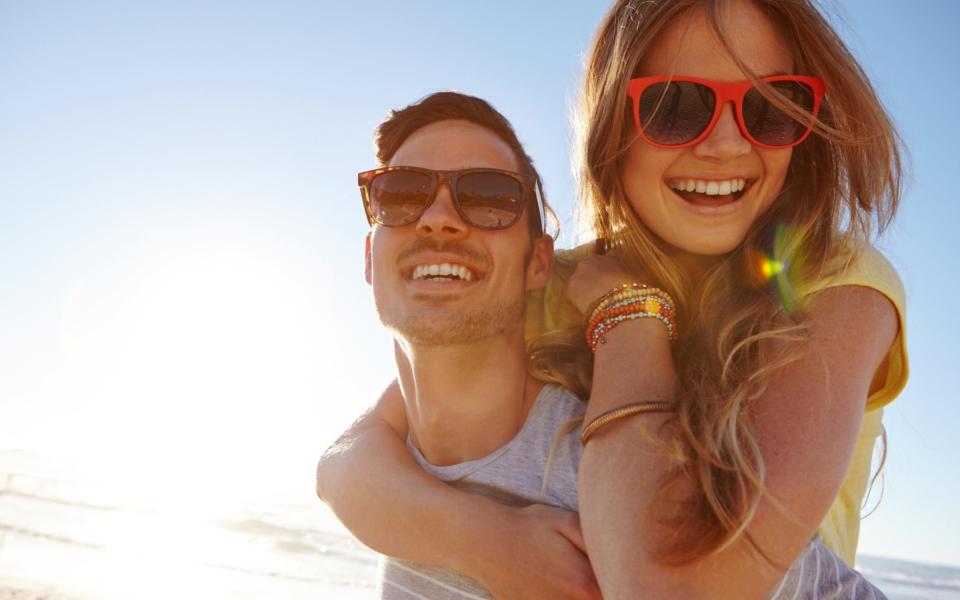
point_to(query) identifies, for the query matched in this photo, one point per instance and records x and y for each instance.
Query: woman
(749, 206)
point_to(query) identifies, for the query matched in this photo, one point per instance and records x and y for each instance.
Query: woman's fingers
(594, 277)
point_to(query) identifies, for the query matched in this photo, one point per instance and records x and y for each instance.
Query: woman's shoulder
(861, 264)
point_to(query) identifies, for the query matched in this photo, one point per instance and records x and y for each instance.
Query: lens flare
(781, 267)
(770, 267)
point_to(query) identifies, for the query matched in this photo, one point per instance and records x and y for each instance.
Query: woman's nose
(725, 141)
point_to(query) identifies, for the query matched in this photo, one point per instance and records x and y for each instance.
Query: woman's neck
(694, 265)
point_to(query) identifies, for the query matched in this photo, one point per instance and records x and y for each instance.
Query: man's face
(439, 309)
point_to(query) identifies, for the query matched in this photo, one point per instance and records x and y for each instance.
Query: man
(457, 241)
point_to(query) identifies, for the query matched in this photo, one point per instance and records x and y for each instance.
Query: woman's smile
(710, 195)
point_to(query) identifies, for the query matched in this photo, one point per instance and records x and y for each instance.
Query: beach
(66, 538)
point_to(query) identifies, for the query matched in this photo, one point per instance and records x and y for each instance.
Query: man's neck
(464, 402)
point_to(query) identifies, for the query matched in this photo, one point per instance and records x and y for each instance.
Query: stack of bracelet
(627, 302)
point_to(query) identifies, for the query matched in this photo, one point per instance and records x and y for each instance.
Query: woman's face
(701, 223)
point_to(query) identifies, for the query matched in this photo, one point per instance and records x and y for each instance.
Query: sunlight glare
(178, 382)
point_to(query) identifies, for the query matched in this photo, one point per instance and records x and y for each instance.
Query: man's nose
(725, 141)
(441, 217)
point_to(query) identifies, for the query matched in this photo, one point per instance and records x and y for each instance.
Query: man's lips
(433, 266)
(448, 261)
(441, 271)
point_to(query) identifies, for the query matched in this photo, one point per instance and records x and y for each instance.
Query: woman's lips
(709, 193)
(705, 200)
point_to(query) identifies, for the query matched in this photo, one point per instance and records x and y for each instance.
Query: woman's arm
(377, 490)
(806, 423)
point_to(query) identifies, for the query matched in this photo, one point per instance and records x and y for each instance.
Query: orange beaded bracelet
(625, 303)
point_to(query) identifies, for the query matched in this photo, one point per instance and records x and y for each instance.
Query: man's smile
(441, 272)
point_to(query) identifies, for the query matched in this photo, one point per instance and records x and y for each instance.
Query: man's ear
(541, 262)
(366, 258)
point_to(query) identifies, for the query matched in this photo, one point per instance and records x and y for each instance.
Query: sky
(181, 235)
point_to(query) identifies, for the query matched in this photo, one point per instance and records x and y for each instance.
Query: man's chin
(456, 330)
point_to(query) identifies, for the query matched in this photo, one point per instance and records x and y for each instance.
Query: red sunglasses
(676, 112)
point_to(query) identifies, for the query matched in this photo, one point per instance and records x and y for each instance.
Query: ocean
(906, 580)
(63, 537)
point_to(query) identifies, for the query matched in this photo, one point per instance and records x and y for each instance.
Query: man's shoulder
(557, 412)
(557, 402)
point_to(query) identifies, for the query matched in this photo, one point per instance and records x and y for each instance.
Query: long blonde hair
(842, 186)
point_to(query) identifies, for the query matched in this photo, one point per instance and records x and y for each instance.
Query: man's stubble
(447, 328)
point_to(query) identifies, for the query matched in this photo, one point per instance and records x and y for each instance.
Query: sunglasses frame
(528, 185)
(724, 92)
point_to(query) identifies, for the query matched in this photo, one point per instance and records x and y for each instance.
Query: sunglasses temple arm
(541, 210)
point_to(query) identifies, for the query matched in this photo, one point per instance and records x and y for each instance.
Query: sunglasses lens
(768, 124)
(398, 197)
(675, 112)
(490, 200)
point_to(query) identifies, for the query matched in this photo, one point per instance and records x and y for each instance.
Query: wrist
(625, 303)
(634, 365)
(637, 337)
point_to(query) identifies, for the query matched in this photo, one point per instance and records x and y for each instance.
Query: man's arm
(377, 490)
(806, 425)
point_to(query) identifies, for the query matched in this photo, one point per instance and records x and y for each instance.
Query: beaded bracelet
(597, 335)
(619, 413)
(626, 291)
(602, 323)
(627, 302)
(648, 302)
(646, 308)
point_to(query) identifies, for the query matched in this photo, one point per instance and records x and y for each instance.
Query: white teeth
(442, 270)
(710, 188)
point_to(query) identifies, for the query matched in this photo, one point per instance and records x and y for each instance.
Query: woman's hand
(593, 278)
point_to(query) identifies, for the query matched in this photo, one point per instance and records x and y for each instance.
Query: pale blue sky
(180, 258)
